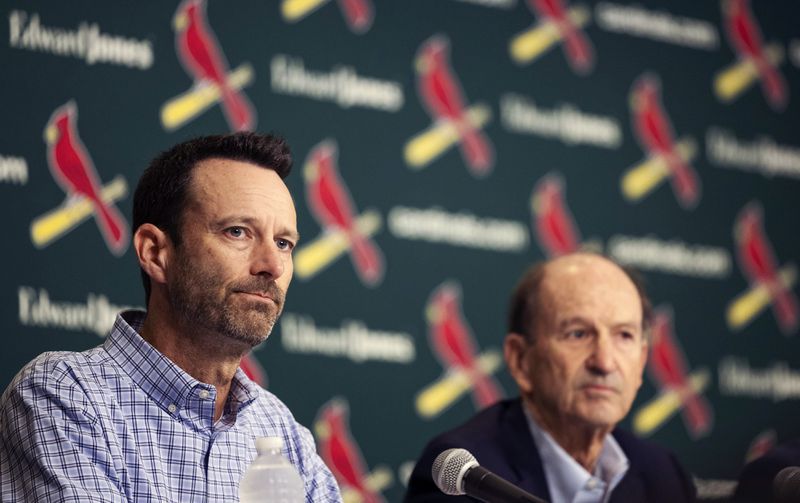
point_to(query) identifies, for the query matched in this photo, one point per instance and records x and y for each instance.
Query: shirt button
(172, 407)
(204, 394)
(591, 484)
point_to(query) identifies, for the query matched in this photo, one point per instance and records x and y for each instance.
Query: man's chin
(242, 341)
(601, 416)
(252, 329)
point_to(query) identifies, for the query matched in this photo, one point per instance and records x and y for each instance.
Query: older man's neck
(583, 443)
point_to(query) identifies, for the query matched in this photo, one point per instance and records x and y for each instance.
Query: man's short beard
(194, 297)
(249, 327)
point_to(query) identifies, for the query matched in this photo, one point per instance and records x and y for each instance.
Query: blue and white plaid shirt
(122, 423)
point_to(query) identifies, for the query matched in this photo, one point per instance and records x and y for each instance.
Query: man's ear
(152, 247)
(645, 353)
(515, 351)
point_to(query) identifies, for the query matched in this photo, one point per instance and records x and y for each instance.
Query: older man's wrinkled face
(230, 273)
(582, 365)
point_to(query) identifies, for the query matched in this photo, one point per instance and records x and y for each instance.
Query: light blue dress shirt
(567, 480)
(123, 423)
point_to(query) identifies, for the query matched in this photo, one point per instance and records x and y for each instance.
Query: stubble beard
(195, 298)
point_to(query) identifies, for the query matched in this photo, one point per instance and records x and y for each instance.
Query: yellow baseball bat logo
(658, 410)
(736, 78)
(643, 178)
(185, 107)
(295, 10)
(535, 41)
(52, 225)
(749, 304)
(434, 141)
(329, 246)
(439, 395)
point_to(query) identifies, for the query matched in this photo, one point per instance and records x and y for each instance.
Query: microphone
(457, 472)
(787, 484)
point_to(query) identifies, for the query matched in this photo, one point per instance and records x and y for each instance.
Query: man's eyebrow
(233, 220)
(574, 320)
(628, 324)
(293, 235)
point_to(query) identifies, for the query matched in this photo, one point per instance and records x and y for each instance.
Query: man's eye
(284, 244)
(235, 232)
(576, 334)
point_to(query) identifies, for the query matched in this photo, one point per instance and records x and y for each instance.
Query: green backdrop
(471, 139)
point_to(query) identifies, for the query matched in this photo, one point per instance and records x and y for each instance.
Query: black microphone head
(449, 469)
(787, 484)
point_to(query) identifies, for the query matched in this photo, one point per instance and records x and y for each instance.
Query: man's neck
(583, 443)
(205, 356)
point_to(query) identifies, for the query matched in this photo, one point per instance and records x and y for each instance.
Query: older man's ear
(515, 351)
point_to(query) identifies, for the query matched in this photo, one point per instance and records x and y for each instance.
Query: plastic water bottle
(270, 477)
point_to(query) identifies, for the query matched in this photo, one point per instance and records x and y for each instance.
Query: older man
(161, 412)
(576, 348)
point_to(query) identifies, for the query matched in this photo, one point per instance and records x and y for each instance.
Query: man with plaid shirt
(162, 412)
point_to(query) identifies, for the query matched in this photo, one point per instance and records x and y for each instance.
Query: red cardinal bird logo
(553, 223)
(331, 205)
(745, 37)
(358, 14)
(758, 263)
(761, 444)
(203, 60)
(444, 101)
(454, 345)
(342, 455)
(669, 370)
(577, 48)
(74, 171)
(254, 370)
(654, 133)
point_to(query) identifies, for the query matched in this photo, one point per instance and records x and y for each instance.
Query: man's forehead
(580, 282)
(224, 188)
(582, 268)
(231, 178)
(221, 168)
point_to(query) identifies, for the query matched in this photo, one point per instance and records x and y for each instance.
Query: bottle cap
(264, 444)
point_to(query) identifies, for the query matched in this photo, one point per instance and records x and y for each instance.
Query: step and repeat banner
(441, 147)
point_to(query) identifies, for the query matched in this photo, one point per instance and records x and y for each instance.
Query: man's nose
(268, 260)
(601, 360)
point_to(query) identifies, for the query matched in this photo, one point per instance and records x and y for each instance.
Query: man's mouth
(600, 388)
(261, 296)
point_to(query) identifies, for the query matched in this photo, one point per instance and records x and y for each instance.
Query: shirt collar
(159, 377)
(565, 476)
(243, 391)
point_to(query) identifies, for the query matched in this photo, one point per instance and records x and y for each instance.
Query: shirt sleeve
(51, 447)
(320, 484)
(300, 448)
